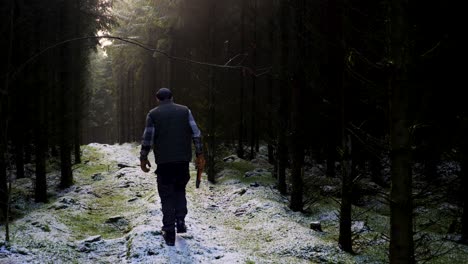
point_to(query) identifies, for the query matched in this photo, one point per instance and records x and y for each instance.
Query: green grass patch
(241, 166)
(238, 169)
(90, 224)
(93, 222)
(86, 172)
(93, 162)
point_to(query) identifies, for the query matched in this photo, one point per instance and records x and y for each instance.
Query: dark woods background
(365, 84)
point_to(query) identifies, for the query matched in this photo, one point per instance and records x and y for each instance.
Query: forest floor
(112, 215)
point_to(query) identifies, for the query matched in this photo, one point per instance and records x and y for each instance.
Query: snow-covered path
(112, 215)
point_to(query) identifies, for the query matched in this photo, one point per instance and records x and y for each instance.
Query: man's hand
(200, 161)
(145, 165)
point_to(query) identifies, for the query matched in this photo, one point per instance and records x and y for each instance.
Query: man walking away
(170, 128)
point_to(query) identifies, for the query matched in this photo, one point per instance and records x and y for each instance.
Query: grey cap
(163, 94)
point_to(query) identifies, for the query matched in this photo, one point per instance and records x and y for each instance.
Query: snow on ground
(112, 215)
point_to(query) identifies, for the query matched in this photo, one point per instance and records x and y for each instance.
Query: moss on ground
(108, 204)
(241, 166)
(93, 222)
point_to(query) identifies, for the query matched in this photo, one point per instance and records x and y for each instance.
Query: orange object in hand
(145, 165)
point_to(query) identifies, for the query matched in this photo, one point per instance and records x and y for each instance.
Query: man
(170, 128)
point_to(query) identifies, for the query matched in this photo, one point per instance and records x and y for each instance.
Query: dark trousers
(172, 179)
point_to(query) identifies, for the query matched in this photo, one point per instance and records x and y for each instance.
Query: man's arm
(196, 135)
(200, 161)
(146, 143)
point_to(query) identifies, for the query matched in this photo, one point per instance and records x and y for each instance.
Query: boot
(181, 227)
(169, 237)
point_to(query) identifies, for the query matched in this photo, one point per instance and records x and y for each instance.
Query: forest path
(112, 215)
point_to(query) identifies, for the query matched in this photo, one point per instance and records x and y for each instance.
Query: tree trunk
(464, 172)
(66, 178)
(4, 117)
(297, 152)
(19, 153)
(282, 160)
(121, 109)
(347, 172)
(464, 193)
(401, 208)
(65, 92)
(78, 83)
(296, 145)
(240, 144)
(298, 83)
(211, 105)
(270, 132)
(283, 109)
(40, 192)
(77, 141)
(3, 183)
(40, 137)
(253, 131)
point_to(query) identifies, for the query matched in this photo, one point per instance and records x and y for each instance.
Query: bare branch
(432, 49)
(235, 57)
(133, 42)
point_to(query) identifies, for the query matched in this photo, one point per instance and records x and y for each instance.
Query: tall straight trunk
(77, 81)
(297, 149)
(128, 108)
(121, 110)
(335, 70)
(401, 207)
(253, 127)
(270, 132)
(19, 153)
(270, 129)
(170, 63)
(4, 117)
(3, 183)
(283, 108)
(40, 133)
(66, 176)
(212, 128)
(65, 93)
(464, 181)
(211, 104)
(40, 192)
(297, 92)
(66, 179)
(77, 141)
(464, 175)
(336, 74)
(4, 192)
(282, 161)
(347, 172)
(240, 144)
